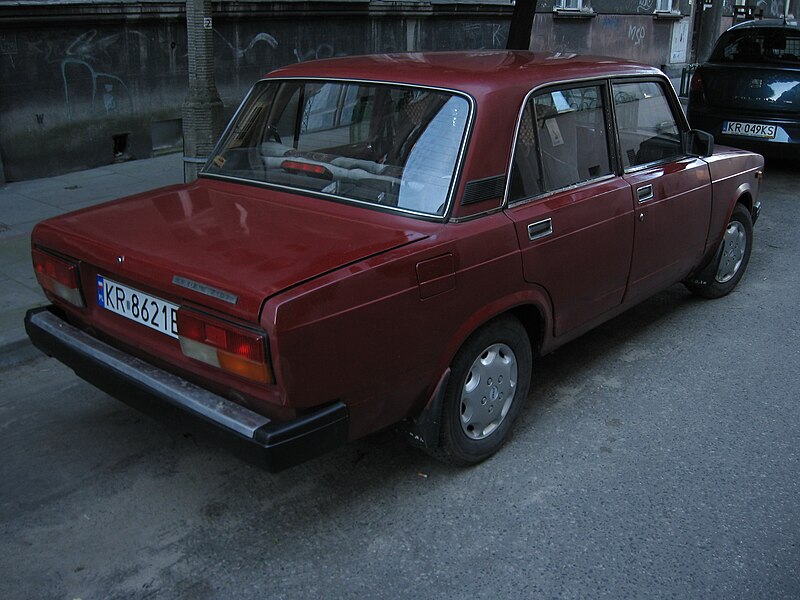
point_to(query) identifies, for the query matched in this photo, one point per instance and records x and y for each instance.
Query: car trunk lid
(223, 245)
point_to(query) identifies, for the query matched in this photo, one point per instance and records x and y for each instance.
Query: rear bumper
(712, 120)
(180, 403)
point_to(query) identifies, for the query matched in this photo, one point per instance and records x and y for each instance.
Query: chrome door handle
(644, 193)
(540, 229)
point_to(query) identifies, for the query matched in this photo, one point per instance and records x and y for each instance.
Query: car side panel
(584, 262)
(373, 337)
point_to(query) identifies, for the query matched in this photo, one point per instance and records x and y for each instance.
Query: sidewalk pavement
(25, 203)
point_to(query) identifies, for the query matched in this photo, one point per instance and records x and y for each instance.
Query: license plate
(749, 129)
(145, 309)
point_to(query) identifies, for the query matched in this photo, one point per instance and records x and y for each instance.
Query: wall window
(667, 6)
(648, 130)
(561, 141)
(571, 5)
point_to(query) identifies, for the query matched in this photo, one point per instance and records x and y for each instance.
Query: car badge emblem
(756, 83)
(205, 289)
(120, 259)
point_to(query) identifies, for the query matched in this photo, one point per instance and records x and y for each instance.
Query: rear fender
(534, 296)
(424, 428)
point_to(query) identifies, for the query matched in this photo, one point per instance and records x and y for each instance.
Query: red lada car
(394, 239)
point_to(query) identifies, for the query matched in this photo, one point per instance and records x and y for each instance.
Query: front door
(670, 191)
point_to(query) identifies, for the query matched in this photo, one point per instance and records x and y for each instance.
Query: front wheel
(731, 259)
(489, 382)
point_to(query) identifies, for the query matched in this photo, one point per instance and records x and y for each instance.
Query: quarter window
(648, 131)
(561, 142)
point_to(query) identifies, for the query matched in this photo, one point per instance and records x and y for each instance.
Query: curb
(16, 352)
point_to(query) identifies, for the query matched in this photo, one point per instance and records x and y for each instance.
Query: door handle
(644, 193)
(540, 229)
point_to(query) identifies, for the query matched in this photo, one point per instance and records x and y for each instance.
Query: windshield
(393, 146)
(777, 45)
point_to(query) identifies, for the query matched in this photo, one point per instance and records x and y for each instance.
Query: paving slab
(25, 203)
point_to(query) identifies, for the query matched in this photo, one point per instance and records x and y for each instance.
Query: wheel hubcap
(734, 245)
(488, 391)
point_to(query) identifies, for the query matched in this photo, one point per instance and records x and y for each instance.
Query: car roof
(476, 72)
(765, 24)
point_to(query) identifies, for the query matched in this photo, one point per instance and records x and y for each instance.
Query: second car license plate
(138, 306)
(749, 129)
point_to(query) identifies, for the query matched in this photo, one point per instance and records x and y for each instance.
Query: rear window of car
(379, 144)
(758, 45)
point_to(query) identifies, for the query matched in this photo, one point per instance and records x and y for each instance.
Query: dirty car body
(394, 239)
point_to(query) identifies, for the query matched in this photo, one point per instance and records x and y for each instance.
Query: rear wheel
(732, 257)
(489, 382)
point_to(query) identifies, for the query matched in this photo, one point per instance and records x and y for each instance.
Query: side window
(561, 141)
(648, 131)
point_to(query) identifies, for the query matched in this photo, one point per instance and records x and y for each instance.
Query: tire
(489, 382)
(731, 259)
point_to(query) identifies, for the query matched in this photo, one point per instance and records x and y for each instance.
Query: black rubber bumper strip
(184, 405)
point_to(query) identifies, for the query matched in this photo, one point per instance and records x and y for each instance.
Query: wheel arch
(745, 198)
(532, 319)
(531, 308)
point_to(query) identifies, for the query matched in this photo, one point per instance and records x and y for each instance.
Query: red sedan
(394, 239)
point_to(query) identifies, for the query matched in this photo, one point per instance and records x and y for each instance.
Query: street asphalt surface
(658, 457)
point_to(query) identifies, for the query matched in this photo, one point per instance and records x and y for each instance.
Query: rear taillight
(58, 276)
(228, 347)
(697, 94)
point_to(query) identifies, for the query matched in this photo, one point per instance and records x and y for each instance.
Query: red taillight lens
(58, 276)
(697, 94)
(308, 168)
(223, 345)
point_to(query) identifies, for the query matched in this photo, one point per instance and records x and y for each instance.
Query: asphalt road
(658, 457)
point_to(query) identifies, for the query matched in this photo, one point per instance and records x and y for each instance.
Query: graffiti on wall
(637, 34)
(477, 34)
(645, 6)
(259, 38)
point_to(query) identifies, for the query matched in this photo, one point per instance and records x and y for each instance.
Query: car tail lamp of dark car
(58, 276)
(697, 94)
(223, 345)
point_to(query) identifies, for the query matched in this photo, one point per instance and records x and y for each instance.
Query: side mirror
(698, 143)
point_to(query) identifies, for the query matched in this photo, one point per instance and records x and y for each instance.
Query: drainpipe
(202, 109)
(710, 21)
(519, 33)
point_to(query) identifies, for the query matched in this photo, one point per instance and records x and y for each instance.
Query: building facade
(86, 83)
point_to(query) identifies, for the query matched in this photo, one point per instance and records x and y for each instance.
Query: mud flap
(423, 430)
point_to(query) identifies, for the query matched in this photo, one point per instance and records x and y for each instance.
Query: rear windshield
(758, 45)
(379, 144)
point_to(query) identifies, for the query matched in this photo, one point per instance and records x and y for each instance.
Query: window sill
(671, 15)
(571, 13)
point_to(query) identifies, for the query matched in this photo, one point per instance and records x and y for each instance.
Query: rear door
(671, 191)
(573, 216)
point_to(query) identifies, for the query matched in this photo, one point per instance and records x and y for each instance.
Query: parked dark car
(748, 93)
(394, 239)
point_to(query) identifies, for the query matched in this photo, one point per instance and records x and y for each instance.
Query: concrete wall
(625, 28)
(79, 81)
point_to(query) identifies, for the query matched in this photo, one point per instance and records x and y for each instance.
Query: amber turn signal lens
(223, 345)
